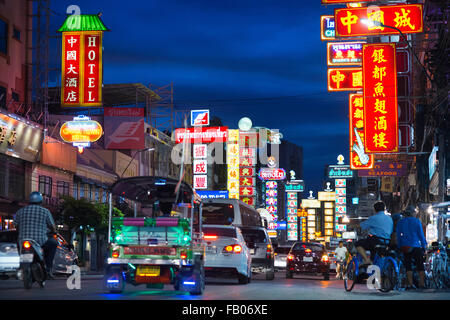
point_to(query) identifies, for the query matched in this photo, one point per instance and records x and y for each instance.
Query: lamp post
(371, 23)
(139, 151)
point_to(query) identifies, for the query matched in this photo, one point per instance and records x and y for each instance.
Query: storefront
(20, 144)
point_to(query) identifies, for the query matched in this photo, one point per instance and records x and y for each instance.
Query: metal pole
(135, 209)
(109, 218)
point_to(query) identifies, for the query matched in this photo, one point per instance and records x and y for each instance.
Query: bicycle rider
(379, 227)
(413, 244)
(341, 256)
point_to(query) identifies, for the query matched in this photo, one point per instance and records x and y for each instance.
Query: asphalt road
(299, 288)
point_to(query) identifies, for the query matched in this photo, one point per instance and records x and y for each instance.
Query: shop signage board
(327, 31)
(351, 22)
(345, 79)
(213, 194)
(199, 118)
(359, 159)
(124, 128)
(386, 169)
(201, 134)
(339, 172)
(272, 174)
(233, 163)
(380, 98)
(344, 53)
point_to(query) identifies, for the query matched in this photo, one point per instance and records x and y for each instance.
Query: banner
(124, 128)
(380, 98)
(345, 79)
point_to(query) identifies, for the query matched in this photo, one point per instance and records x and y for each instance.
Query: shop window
(63, 188)
(3, 37)
(82, 186)
(97, 194)
(75, 191)
(104, 195)
(45, 185)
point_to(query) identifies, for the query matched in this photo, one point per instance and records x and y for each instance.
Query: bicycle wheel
(438, 273)
(402, 278)
(350, 276)
(388, 276)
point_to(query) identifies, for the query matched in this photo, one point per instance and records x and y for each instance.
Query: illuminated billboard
(327, 28)
(380, 98)
(345, 79)
(344, 53)
(351, 22)
(81, 132)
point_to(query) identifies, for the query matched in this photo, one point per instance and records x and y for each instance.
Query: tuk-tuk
(162, 243)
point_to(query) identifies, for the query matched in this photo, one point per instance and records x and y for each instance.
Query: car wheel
(243, 279)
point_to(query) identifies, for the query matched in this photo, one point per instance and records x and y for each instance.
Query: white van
(229, 212)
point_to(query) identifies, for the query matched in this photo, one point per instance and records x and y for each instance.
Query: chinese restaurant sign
(350, 22)
(380, 98)
(358, 158)
(81, 132)
(344, 53)
(345, 79)
(386, 169)
(233, 163)
(81, 82)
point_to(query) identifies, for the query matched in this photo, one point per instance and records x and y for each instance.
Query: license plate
(307, 259)
(252, 251)
(148, 271)
(143, 250)
(27, 257)
(211, 250)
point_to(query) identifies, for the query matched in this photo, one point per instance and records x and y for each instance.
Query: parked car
(333, 262)
(281, 253)
(308, 258)
(261, 250)
(9, 256)
(226, 253)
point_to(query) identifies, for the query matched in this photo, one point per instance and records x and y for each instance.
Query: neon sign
(344, 53)
(81, 132)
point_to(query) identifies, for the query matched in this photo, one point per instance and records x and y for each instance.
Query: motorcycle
(32, 263)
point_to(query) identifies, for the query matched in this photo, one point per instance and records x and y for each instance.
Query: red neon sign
(345, 79)
(201, 134)
(380, 98)
(350, 22)
(358, 158)
(344, 1)
(81, 69)
(344, 53)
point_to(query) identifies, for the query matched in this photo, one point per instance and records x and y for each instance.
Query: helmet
(36, 197)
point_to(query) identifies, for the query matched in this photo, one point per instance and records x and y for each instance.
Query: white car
(226, 254)
(281, 253)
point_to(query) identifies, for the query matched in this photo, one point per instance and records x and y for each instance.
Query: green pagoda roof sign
(83, 22)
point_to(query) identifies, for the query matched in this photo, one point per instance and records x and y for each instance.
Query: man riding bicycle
(34, 222)
(379, 227)
(341, 257)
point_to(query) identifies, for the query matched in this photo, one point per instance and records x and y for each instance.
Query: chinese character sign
(344, 53)
(350, 22)
(233, 164)
(345, 79)
(358, 158)
(380, 98)
(81, 81)
(292, 216)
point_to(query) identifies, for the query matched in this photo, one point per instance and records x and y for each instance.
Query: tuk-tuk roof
(148, 189)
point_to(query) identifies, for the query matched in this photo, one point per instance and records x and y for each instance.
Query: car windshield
(303, 246)
(254, 235)
(282, 250)
(220, 232)
(8, 236)
(218, 213)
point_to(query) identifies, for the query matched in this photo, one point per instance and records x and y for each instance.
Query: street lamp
(373, 23)
(139, 151)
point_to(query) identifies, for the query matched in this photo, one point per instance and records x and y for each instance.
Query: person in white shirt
(341, 256)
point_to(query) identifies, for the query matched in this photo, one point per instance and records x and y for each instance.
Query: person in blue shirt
(412, 243)
(379, 227)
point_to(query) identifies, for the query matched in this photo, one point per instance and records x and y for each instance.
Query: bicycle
(439, 265)
(389, 271)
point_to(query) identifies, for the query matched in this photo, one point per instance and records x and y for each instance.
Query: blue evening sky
(260, 59)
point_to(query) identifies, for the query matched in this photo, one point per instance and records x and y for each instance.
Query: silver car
(281, 253)
(9, 256)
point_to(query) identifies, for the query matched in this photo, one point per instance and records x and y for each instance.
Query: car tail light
(232, 248)
(183, 255)
(308, 250)
(325, 258)
(210, 237)
(290, 257)
(115, 254)
(26, 245)
(269, 248)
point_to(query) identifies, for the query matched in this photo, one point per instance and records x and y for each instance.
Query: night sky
(260, 59)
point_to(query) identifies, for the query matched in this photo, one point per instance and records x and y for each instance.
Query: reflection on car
(9, 256)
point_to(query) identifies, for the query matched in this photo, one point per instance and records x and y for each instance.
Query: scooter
(32, 263)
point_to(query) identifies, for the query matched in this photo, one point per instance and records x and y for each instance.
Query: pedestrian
(413, 244)
(341, 256)
(379, 227)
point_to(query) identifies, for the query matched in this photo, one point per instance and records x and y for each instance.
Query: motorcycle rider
(34, 222)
